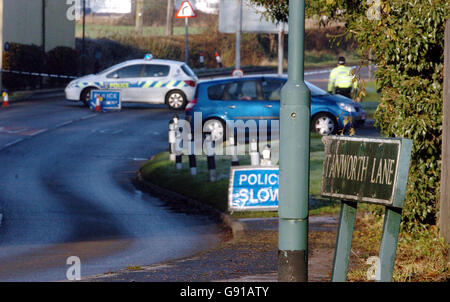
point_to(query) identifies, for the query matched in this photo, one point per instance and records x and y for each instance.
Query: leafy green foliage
(407, 40)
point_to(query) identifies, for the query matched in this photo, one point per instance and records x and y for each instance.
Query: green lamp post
(294, 157)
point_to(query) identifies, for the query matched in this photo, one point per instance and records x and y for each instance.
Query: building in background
(106, 6)
(205, 6)
(208, 6)
(35, 22)
(39, 22)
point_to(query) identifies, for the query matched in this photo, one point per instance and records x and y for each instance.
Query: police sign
(109, 100)
(253, 189)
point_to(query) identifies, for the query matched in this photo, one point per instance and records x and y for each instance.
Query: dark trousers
(344, 91)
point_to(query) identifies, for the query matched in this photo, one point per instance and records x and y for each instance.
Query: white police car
(145, 80)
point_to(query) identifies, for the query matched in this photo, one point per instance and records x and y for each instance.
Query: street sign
(253, 189)
(361, 169)
(185, 11)
(365, 169)
(110, 100)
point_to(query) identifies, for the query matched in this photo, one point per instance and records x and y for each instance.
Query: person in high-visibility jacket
(341, 79)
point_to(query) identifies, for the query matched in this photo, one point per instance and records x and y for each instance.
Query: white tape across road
(37, 74)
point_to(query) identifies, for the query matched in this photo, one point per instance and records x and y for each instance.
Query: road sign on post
(109, 100)
(294, 157)
(253, 189)
(186, 11)
(358, 169)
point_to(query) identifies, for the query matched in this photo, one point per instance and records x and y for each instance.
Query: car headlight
(347, 107)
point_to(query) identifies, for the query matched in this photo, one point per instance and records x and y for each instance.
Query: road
(65, 191)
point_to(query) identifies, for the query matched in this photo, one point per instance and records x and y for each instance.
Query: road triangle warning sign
(186, 11)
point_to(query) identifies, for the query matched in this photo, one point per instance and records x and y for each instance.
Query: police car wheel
(324, 124)
(176, 100)
(86, 96)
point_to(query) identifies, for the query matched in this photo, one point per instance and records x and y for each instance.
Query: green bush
(173, 47)
(407, 38)
(409, 43)
(61, 61)
(26, 58)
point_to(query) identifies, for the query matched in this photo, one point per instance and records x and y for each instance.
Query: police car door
(154, 83)
(126, 79)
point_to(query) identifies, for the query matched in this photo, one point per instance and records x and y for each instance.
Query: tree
(169, 20)
(407, 39)
(139, 17)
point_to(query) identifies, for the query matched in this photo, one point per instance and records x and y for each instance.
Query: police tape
(37, 74)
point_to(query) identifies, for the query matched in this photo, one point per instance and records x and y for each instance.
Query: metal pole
(294, 157)
(186, 49)
(238, 36)
(83, 41)
(444, 213)
(280, 49)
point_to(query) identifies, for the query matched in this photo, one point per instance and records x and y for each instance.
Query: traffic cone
(5, 99)
(98, 108)
(218, 59)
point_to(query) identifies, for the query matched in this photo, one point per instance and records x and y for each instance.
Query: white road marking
(7, 130)
(12, 143)
(64, 124)
(39, 132)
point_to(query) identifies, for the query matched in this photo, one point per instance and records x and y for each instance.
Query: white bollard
(172, 140)
(235, 158)
(266, 155)
(179, 151)
(210, 158)
(254, 154)
(192, 158)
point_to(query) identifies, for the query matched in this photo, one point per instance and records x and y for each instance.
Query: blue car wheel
(324, 124)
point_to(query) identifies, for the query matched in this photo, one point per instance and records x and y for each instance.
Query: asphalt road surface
(65, 191)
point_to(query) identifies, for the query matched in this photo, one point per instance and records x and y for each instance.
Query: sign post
(294, 157)
(186, 11)
(372, 171)
(444, 216)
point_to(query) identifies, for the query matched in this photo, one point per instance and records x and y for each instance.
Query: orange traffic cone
(5, 99)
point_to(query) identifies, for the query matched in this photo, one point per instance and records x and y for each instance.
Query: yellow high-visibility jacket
(341, 77)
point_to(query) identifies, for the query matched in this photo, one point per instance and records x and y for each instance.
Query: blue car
(258, 98)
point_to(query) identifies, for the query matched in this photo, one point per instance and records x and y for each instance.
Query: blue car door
(271, 88)
(244, 102)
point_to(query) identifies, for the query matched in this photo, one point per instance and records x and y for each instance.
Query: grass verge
(421, 256)
(162, 172)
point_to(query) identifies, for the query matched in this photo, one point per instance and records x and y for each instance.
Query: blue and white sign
(253, 189)
(109, 100)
